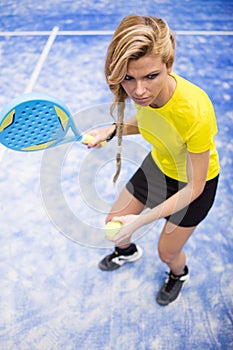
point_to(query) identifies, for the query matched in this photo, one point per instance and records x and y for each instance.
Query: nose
(139, 88)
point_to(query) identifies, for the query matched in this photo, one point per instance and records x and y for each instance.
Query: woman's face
(148, 82)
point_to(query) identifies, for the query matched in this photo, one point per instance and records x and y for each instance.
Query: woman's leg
(170, 246)
(127, 252)
(124, 205)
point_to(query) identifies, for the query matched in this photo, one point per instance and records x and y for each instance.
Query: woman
(178, 179)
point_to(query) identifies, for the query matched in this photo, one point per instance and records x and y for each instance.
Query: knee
(166, 256)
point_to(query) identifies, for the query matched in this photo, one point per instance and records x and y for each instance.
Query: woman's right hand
(96, 138)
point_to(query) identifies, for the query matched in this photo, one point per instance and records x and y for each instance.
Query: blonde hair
(134, 38)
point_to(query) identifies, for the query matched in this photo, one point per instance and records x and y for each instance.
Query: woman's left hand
(130, 223)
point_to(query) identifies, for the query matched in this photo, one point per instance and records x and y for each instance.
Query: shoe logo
(119, 260)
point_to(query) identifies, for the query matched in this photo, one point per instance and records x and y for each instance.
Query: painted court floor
(53, 203)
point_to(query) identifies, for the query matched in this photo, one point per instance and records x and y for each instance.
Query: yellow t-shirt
(186, 123)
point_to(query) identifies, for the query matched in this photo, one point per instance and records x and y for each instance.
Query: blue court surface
(53, 203)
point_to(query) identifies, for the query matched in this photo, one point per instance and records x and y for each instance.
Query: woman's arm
(197, 168)
(130, 127)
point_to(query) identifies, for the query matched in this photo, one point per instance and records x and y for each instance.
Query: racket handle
(88, 138)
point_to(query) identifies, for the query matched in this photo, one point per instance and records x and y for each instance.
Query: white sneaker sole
(122, 260)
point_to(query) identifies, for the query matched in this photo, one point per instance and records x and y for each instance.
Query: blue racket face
(34, 122)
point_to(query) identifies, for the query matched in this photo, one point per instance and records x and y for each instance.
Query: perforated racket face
(33, 125)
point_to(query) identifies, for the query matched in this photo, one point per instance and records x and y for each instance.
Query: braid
(120, 127)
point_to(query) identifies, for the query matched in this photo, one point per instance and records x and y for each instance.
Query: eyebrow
(152, 73)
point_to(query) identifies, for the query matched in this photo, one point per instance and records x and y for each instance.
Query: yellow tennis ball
(112, 228)
(87, 139)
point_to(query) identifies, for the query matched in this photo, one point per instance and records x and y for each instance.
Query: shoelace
(129, 251)
(114, 254)
(170, 282)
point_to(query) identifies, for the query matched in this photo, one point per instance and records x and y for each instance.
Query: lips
(142, 101)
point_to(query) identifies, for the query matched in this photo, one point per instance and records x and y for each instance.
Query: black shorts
(151, 187)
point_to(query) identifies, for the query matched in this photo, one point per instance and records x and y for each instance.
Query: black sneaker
(120, 256)
(172, 287)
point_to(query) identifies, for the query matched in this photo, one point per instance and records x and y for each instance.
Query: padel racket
(37, 121)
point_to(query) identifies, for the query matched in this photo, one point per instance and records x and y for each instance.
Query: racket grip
(88, 138)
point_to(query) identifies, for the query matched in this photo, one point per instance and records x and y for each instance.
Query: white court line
(62, 32)
(110, 32)
(204, 32)
(41, 60)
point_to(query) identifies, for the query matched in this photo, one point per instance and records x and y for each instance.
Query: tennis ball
(87, 139)
(112, 228)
